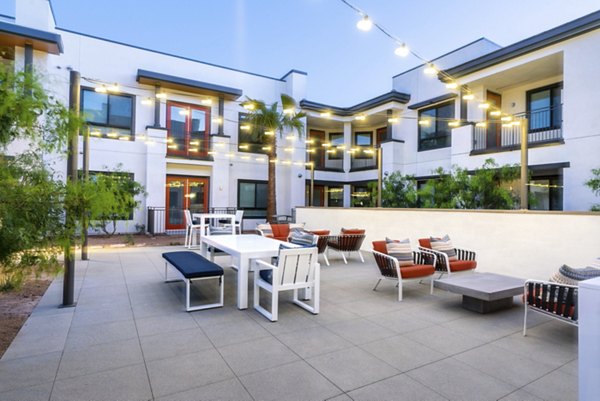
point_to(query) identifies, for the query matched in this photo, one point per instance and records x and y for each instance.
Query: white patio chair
(191, 229)
(239, 214)
(297, 268)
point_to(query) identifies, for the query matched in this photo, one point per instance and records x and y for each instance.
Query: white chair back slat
(188, 217)
(297, 265)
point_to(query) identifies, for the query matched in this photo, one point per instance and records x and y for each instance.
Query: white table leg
(242, 282)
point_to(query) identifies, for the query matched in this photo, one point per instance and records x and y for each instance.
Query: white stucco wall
(515, 243)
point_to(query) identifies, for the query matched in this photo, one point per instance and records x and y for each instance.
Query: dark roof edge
(7, 16)
(434, 100)
(292, 71)
(52, 12)
(167, 54)
(552, 36)
(32, 33)
(392, 96)
(446, 54)
(187, 82)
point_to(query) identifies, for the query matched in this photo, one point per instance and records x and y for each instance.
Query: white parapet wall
(527, 244)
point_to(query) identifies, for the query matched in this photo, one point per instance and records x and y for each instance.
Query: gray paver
(395, 388)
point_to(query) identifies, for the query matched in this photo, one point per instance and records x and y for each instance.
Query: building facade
(176, 125)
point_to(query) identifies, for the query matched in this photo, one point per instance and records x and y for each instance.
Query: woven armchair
(551, 299)
(346, 243)
(465, 259)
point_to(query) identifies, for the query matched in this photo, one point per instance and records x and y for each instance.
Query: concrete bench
(193, 267)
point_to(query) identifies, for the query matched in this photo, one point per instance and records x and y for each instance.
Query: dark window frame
(339, 153)
(329, 195)
(203, 148)
(124, 174)
(437, 122)
(107, 125)
(553, 109)
(361, 154)
(255, 182)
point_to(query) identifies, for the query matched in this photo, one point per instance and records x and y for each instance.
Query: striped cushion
(559, 278)
(300, 237)
(444, 245)
(401, 250)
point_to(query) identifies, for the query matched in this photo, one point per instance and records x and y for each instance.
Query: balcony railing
(363, 163)
(544, 126)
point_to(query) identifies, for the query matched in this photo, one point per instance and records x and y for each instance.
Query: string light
(430, 69)
(402, 50)
(468, 96)
(364, 24)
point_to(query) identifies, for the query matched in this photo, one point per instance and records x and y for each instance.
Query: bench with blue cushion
(192, 266)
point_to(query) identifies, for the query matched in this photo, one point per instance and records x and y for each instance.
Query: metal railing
(363, 163)
(545, 125)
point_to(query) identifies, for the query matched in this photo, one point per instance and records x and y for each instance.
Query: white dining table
(243, 248)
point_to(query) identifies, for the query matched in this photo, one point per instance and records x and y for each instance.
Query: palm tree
(266, 121)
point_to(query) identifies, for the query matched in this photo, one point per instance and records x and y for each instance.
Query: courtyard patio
(129, 338)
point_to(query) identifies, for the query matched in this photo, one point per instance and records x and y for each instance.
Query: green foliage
(594, 185)
(266, 120)
(399, 191)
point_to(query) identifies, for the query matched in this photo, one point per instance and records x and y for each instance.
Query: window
(361, 196)
(434, 132)
(335, 196)
(122, 181)
(187, 130)
(364, 141)
(252, 198)
(544, 107)
(546, 192)
(109, 115)
(249, 137)
(336, 139)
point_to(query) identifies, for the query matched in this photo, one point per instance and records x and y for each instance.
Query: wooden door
(184, 193)
(494, 125)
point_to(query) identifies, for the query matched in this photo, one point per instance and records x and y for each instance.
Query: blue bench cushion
(192, 265)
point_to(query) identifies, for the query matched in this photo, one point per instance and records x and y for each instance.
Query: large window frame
(336, 139)
(441, 135)
(552, 113)
(258, 209)
(92, 174)
(193, 146)
(109, 128)
(249, 137)
(335, 196)
(362, 146)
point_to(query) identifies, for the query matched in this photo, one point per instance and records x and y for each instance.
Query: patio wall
(522, 244)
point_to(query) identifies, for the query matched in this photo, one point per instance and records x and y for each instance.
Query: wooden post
(524, 164)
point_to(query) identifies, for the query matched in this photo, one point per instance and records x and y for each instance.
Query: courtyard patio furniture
(193, 267)
(279, 232)
(322, 242)
(191, 229)
(349, 240)
(415, 266)
(296, 269)
(558, 301)
(449, 259)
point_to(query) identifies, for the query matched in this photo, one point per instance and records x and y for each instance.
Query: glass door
(185, 193)
(187, 129)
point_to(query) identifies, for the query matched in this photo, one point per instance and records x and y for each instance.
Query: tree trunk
(271, 180)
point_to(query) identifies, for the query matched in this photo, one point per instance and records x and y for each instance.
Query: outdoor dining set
(285, 257)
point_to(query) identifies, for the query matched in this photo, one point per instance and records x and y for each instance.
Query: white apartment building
(176, 124)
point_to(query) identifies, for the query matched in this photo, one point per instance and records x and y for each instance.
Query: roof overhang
(187, 85)
(561, 33)
(393, 96)
(432, 101)
(17, 35)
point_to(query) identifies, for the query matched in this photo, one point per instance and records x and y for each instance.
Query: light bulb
(430, 69)
(469, 96)
(402, 50)
(451, 85)
(364, 24)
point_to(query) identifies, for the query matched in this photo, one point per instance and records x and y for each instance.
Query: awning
(187, 85)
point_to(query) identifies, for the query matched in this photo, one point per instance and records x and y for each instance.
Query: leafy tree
(266, 121)
(594, 185)
(399, 190)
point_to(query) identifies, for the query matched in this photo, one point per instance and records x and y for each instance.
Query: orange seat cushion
(415, 271)
(352, 231)
(380, 246)
(280, 231)
(319, 232)
(462, 265)
(425, 243)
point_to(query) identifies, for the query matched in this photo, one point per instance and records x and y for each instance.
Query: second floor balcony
(543, 126)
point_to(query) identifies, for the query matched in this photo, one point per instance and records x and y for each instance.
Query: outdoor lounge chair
(349, 240)
(296, 268)
(422, 267)
(551, 299)
(280, 232)
(322, 242)
(451, 260)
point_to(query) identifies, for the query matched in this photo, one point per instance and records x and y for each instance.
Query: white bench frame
(188, 282)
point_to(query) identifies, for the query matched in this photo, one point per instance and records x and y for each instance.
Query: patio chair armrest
(262, 265)
(465, 254)
(442, 263)
(388, 265)
(555, 299)
(424, 258)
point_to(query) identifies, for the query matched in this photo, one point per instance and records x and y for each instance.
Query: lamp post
(379, 175)
(312, 183)
(524, 164)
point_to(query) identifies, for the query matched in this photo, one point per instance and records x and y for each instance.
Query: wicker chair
(348, 241)
(322, 242)
(390, 269)
(465, 259)
(551, 299)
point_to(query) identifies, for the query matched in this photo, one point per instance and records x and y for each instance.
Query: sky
(345, 66)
